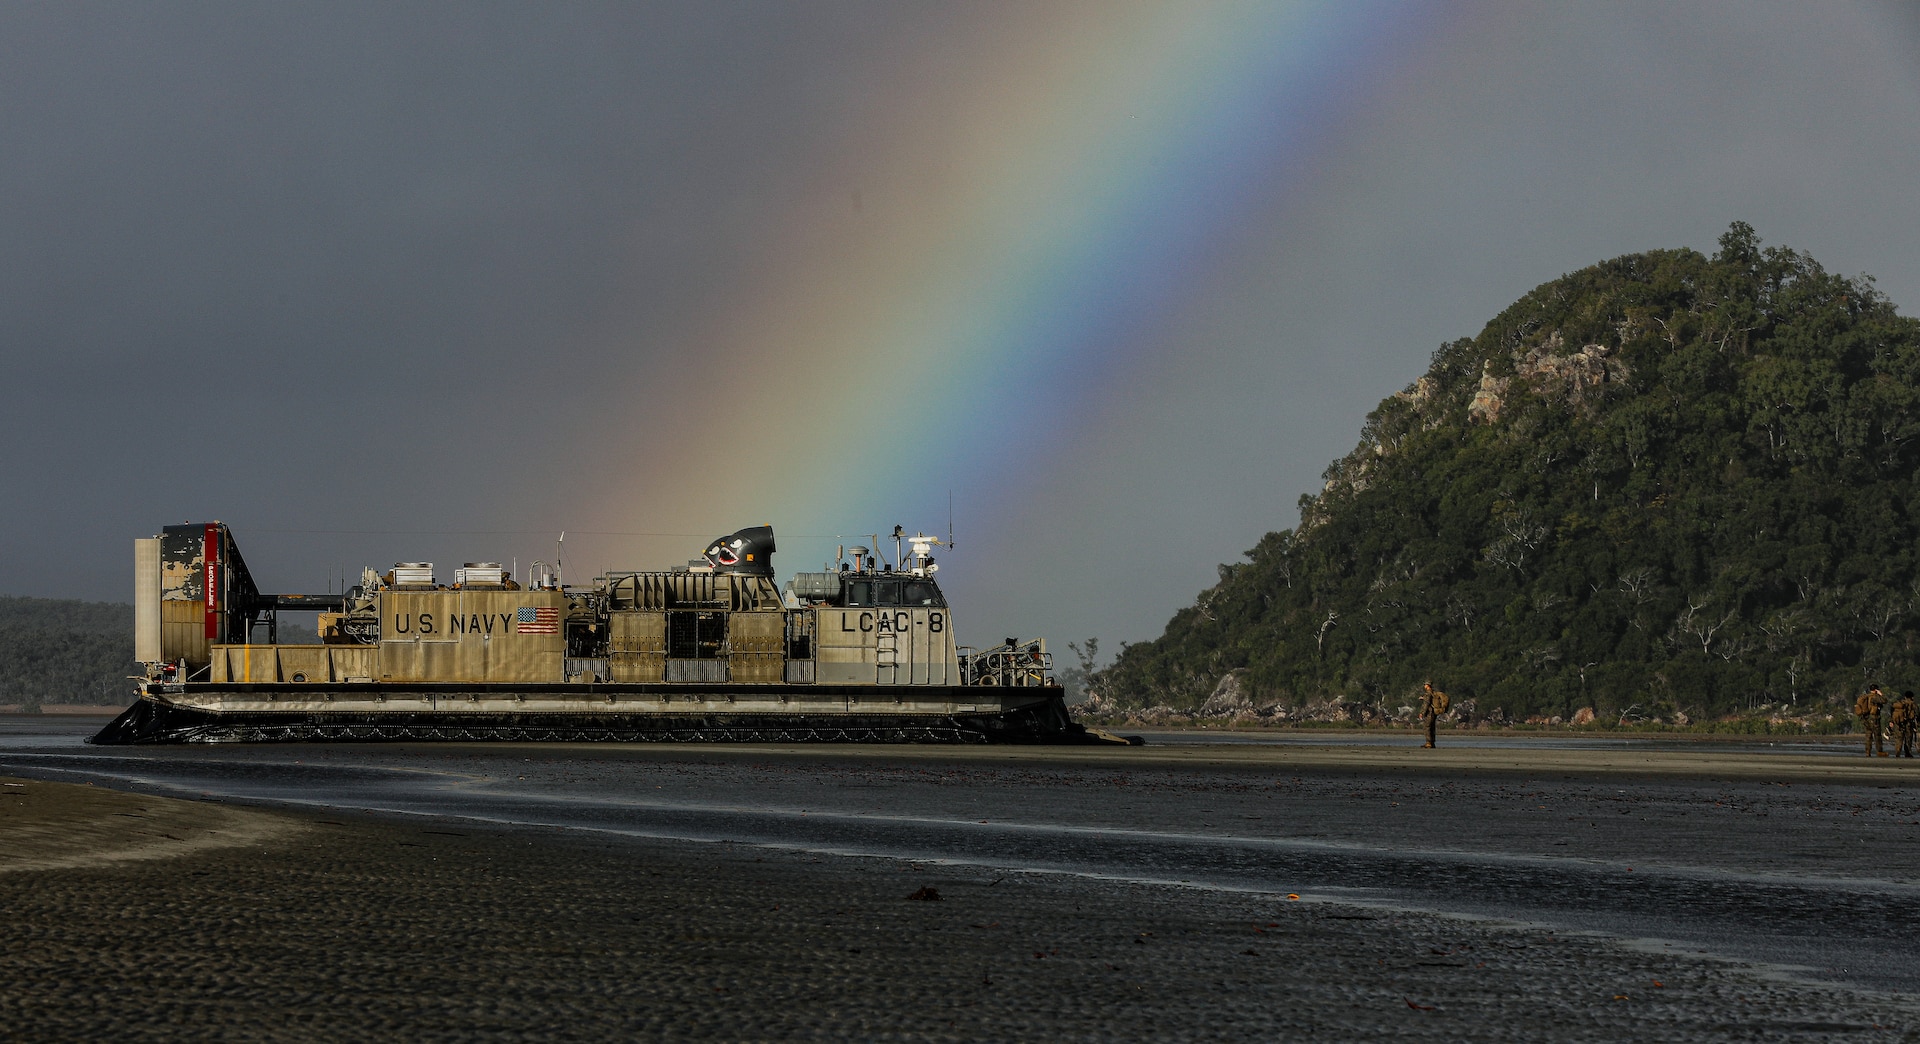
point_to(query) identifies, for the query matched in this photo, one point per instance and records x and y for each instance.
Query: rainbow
(993, 249)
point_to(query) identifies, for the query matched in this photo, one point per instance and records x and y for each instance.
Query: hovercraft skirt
(159, 721)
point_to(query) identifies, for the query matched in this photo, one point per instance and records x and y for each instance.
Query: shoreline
(1360, 751)
(1705, 733)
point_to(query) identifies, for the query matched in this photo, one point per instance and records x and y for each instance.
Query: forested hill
(1668, 481)
(60, 651)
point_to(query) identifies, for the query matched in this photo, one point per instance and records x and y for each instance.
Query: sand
(212, 922)
(55, 827)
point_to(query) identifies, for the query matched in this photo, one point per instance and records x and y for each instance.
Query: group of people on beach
(1902, 716)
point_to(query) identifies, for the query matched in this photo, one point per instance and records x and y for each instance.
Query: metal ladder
(886, 655)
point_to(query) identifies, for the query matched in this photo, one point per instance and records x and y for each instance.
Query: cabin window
(873, 592)
(922, 592)
(893, 592)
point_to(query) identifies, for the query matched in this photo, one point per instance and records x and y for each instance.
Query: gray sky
(435, 281)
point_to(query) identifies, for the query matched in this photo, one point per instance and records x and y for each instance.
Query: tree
(1699, 484)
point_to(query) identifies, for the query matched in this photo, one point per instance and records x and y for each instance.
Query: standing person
(1433, 703)
(1905, 718)
(1867, 708)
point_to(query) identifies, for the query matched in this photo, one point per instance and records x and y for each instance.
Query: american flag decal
(536, 620)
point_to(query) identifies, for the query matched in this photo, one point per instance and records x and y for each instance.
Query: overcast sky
(387, 281)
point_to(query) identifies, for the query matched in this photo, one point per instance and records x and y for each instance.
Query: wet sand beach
(61, 827)
(353, 928)
(134, 915)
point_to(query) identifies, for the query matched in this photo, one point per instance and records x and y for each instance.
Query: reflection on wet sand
(761, 891)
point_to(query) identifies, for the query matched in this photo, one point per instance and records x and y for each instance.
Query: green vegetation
(1668, 486)
(60, 651)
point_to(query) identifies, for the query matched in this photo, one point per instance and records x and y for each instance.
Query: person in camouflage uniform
(1433, 703)
(1867, 708)
(1905, 719)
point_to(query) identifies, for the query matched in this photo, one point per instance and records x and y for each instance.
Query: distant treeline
(55, 650)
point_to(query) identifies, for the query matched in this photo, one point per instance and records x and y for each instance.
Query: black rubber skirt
(154, 721)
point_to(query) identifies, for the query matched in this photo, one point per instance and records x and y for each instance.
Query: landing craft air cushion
(712, 651)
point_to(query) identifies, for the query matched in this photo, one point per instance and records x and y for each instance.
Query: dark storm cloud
(255, 253)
